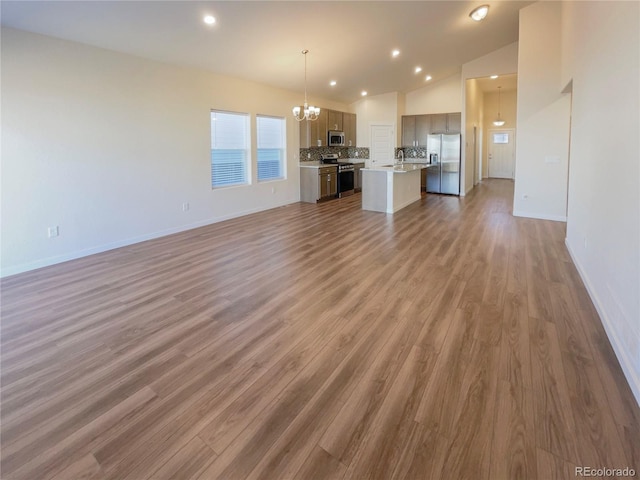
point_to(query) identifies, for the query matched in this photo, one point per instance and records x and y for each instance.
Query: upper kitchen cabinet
(415, 129)
(408, 130)
(446, 122)
(336, 120)
(314, 134)
(349, 128)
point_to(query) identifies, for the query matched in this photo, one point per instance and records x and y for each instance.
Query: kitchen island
(391, 187)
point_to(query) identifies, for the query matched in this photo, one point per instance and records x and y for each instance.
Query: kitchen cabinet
(408, 130)
(446, 122)
(314, 134)
(318, 183)
(415, 129)
(349, 128)
(328, 182)
(357, 176)
(335, 120)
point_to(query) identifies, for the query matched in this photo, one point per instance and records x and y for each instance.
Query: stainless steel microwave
(336, 139)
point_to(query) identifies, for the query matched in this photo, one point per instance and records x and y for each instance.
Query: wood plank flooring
(448, 341)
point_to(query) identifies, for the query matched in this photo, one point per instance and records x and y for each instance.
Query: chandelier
(309, 112)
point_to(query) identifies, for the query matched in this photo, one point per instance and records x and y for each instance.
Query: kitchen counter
(389, 188)
(315, 165)
(399, 168)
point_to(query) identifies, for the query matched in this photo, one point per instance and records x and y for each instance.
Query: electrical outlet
(185, 206)
(356, 154)
(308, 155)
(53, 231)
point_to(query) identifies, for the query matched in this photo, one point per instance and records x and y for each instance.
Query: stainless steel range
(346, 174)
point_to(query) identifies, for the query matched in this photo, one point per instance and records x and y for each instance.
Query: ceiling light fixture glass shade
(309, 112)
(479, 13)
(498, 122)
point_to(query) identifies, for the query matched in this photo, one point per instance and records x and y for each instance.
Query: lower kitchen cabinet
(357, 176)
(319, 183)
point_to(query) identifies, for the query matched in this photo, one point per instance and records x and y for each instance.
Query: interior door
(382, 145)
(501, 153)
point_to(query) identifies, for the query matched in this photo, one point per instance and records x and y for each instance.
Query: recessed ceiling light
(479, 13)
(427, 78)
(418, 69)
(209, 19)
(364, 93)
(395, 53)
(493, 77)
(333, 83)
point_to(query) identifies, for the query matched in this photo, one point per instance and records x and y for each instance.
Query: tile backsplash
(412, 152)
(313, 154)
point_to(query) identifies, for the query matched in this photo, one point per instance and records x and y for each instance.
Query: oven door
(346, 183)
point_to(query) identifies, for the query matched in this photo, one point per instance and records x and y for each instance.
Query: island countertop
(398, 168)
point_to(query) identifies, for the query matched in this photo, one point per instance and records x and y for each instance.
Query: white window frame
(276, 144)
(225, 143)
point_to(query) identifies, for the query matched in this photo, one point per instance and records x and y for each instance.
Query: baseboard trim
(540, 216)
(618, 347)
(47, 262)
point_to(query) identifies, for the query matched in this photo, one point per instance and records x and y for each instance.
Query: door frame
(513, 159)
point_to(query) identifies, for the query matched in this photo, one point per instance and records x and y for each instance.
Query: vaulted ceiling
(349, 42)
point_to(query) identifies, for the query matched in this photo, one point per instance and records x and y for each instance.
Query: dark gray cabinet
(415, 129)
(357, 176)
(446, 122)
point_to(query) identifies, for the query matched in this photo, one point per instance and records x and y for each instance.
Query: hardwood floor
(448, 341)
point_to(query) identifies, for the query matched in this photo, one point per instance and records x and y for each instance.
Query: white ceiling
(509, 83)
(350, 42)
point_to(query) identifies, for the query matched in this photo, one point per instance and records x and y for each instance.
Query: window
(271, 151)
(229, 148)
(500, 138)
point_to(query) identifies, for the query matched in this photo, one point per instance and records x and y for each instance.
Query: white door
(382, 145)
(502, 151)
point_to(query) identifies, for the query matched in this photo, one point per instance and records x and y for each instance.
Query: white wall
(500, 62)
(473, 118)
(601, 54)
(378, 109)
(542, 148)
(109, 146)
(443, 96)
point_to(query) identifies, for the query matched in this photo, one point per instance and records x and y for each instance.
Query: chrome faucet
(401, 155)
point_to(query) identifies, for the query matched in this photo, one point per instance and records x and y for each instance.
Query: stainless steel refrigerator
(443, 170)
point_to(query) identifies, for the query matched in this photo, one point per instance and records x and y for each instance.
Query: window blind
(271, 152)
(229, 148)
